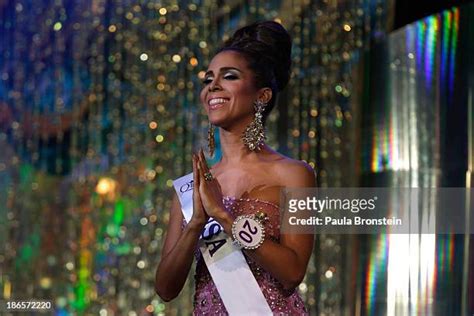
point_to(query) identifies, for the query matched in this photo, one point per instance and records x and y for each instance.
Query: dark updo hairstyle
(267, 47)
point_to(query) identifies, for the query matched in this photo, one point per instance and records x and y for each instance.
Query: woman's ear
(265, 95)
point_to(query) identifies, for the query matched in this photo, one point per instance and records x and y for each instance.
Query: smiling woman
(232, 214)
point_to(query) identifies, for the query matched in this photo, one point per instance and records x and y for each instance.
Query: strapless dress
(282, 302)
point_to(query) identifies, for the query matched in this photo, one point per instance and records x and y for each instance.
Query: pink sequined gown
(282, 302)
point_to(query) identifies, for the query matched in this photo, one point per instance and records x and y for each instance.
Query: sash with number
(230, 272)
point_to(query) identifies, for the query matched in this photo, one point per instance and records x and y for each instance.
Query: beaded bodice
(282, 302)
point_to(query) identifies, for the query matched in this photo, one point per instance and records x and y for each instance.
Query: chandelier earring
(254, 134)
(211, 143)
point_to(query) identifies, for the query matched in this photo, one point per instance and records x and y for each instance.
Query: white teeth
(217, 101)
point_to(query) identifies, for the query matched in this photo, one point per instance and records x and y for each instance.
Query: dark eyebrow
(223, 69)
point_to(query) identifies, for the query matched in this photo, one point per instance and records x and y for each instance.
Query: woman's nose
(214, 86)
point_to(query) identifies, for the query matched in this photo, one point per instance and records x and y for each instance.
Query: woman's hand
(209, 190)
(199, 217)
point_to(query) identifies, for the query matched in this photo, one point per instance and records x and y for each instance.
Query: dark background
(407, 11)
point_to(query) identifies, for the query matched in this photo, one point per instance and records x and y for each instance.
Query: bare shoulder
(295, 173)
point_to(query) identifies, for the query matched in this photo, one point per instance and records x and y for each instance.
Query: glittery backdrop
(417, 131)
(99, 110)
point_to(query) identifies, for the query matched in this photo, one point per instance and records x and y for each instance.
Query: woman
(240, 88)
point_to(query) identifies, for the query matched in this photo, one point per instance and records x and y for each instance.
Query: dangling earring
(254, 135)
(211, 144)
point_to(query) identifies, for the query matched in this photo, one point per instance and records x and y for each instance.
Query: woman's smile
(216, 103)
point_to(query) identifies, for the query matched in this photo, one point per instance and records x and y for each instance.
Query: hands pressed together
(207, 193)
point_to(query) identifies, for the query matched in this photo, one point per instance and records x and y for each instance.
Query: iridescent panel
(417, 132)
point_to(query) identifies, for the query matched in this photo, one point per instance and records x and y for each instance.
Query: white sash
(230, 272)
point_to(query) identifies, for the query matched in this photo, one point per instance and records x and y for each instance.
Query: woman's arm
(178, 249)
(286, 261)
(177, 255)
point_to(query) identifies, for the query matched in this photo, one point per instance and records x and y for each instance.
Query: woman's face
(229, 90)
